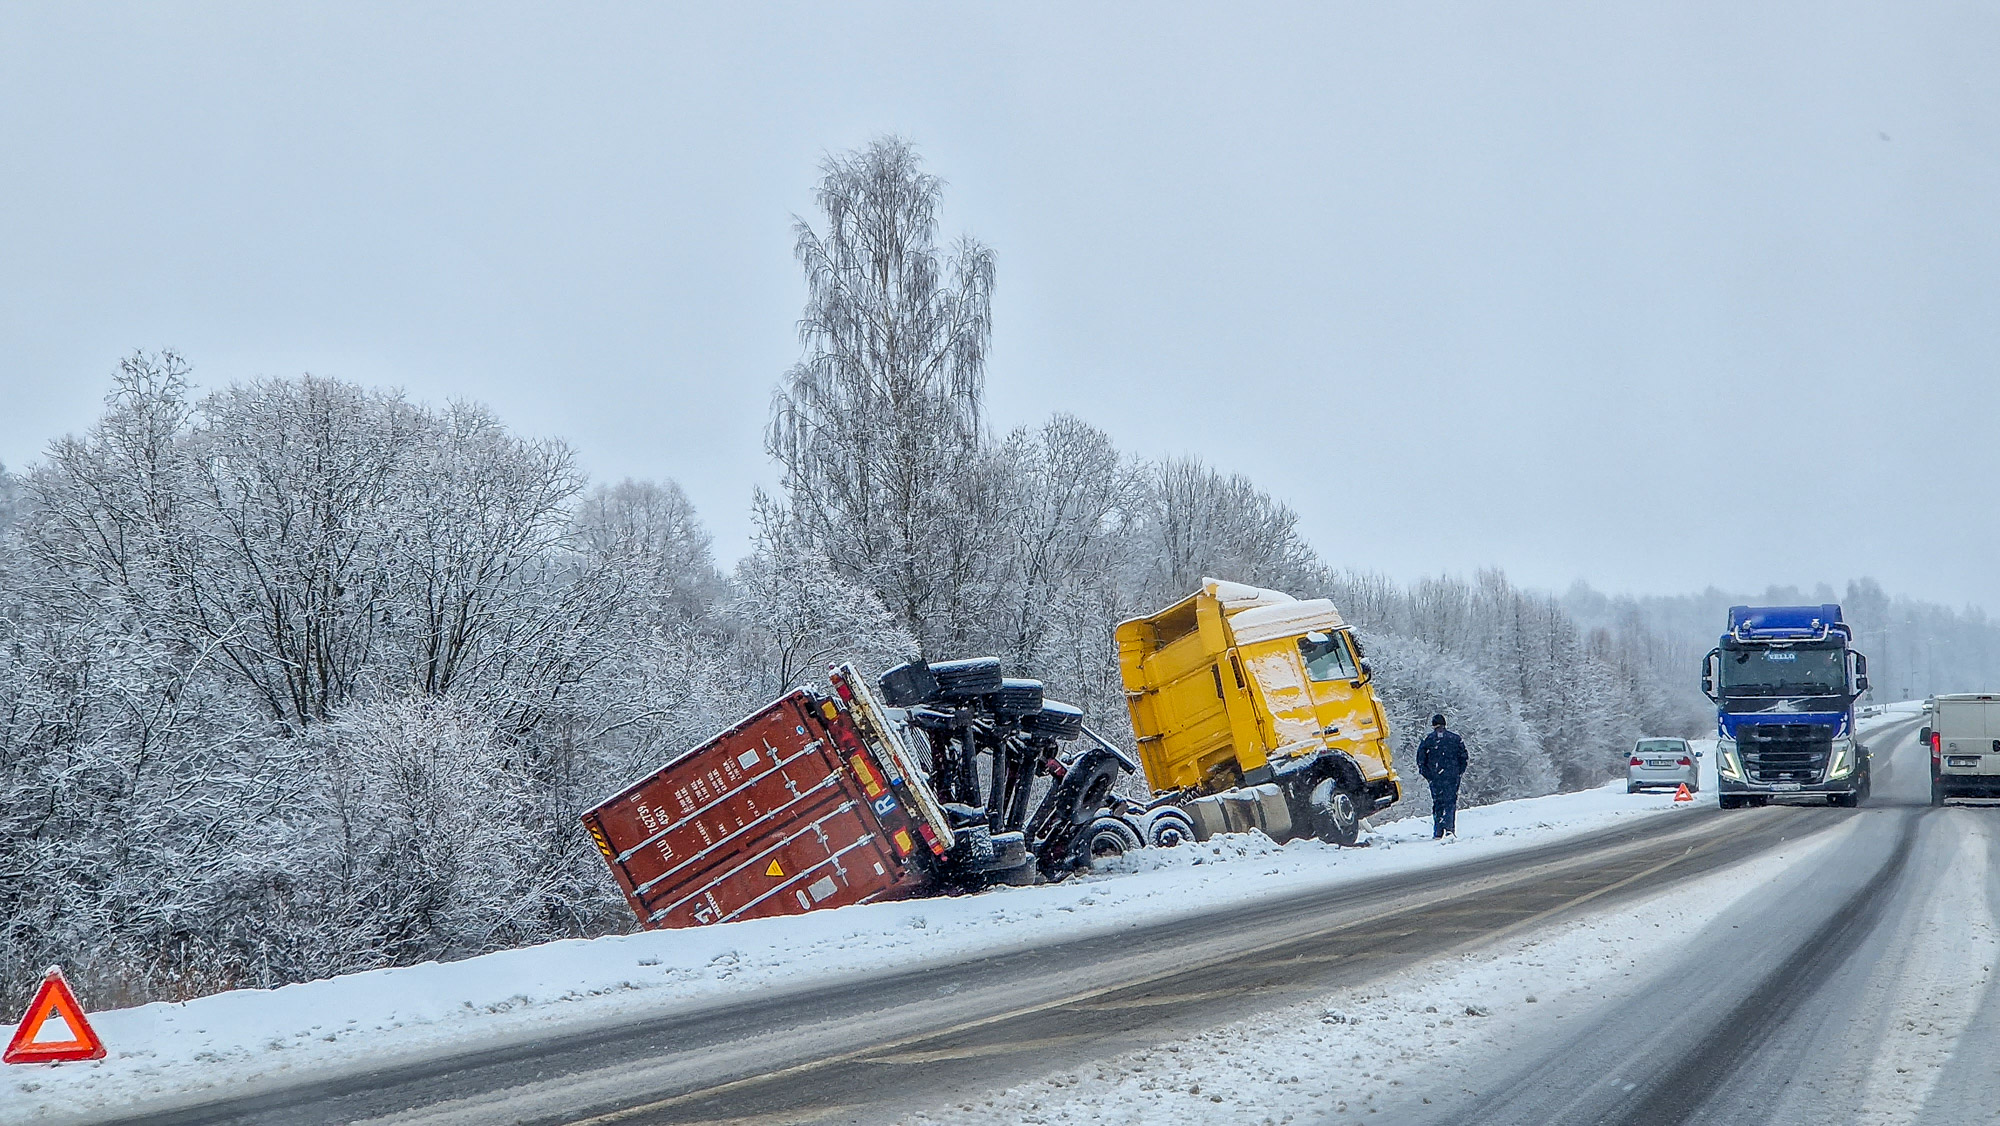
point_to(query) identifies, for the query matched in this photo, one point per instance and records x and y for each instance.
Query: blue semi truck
(1784, 681)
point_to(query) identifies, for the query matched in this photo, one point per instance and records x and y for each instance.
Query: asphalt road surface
(1855, 994)
(875, 1049)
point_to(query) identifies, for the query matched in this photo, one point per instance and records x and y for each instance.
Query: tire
(1848, 801)
(1937, 791)
(1169, 828)
(974, 676)
(1630, 788)
(1107, 838)
(1336, 814)
(1728, 801)
(1092, 788)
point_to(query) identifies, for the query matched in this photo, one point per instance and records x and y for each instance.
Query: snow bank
(245, 1040)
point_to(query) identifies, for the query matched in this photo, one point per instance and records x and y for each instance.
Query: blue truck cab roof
(1786, 623)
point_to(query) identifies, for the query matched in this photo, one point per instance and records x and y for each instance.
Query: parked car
(1655, 763)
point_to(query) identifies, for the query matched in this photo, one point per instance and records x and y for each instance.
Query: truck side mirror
(1924, 736)
(1860, 684)
(1367, 674)
(1708, 665)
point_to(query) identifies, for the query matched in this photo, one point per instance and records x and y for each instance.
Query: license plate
(1660, 762)
(1785, 787)
(1963, 760)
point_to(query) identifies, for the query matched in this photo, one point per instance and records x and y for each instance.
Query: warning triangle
(54, 1029)
(774, 869)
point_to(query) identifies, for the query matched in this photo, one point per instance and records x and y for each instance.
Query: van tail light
(1937, 747)
(1686, 761)
(1637, 761)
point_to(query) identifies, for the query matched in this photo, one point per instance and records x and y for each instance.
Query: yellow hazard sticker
(774, 870)
(903, 842)
(870, 781)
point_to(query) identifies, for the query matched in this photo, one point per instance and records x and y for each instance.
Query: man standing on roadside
(1441, 759)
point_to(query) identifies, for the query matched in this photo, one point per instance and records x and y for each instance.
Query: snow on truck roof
(1242, 596)
(1262, 623)
(1256, 614)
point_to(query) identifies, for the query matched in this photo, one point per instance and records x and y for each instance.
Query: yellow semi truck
(1254, 710)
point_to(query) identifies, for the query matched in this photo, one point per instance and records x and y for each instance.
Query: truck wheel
(1108, 838)
(1937, 791)
(1091, 788)
(1169, 828)
(1336, 814)
(1725, 801)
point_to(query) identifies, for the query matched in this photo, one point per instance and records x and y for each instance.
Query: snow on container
(789, 811)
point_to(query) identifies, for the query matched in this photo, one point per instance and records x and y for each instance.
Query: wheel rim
(1343, 809)
(1337, 806)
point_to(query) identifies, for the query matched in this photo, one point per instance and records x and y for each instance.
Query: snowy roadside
(1425, 1029)
(243, 1041)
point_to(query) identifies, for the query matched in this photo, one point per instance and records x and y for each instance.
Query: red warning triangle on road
(54, 1029)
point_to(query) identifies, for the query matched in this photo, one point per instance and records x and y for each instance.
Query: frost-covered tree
(878, 428)
(799, 613)
(197, 585)
(1196, 521)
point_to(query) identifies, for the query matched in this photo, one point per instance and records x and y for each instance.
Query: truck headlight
(1843, 758)
(1726, 762)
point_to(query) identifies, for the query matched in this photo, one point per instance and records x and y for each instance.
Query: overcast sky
(1657, 296)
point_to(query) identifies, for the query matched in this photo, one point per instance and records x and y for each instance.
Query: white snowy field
(235, 1043)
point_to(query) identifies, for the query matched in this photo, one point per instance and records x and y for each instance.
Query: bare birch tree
(878, 428)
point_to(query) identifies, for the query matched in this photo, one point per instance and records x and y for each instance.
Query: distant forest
(299, 677)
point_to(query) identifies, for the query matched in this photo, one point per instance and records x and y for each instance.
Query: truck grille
(1785, 752)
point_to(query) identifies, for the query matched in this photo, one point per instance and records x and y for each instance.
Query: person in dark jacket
(1441, 759)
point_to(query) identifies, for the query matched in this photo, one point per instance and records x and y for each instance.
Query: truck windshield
(1784, 672)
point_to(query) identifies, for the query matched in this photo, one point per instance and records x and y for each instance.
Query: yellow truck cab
(1253, 710)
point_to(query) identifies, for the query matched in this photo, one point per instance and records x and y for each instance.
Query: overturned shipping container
(796, 807)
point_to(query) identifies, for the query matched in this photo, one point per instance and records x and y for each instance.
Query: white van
(1963, 732)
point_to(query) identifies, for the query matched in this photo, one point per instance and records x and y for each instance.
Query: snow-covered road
(323, 1034)
(1842, 978)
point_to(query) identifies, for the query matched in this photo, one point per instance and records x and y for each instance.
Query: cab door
(1345, 708)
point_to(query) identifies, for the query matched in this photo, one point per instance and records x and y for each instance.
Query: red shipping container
(786, 812)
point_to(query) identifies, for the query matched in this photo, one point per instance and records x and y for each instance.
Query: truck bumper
(1853, 783)
(1384, 794)
(1969, 785)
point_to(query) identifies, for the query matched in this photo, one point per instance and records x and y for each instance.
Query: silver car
(1665, 763)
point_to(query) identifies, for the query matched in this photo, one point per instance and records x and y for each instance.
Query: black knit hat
(1437, 721)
